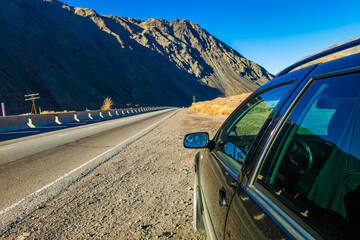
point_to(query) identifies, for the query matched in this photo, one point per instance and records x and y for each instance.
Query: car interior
(316, 170)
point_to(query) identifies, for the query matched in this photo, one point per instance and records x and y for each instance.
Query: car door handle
(222, 198)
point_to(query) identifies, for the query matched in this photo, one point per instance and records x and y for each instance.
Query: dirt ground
(144, 192)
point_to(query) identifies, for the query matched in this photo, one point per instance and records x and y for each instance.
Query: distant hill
(75, 58)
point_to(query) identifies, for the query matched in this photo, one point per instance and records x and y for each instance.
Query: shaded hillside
(75, 58)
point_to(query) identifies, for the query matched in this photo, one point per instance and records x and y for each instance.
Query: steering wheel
(301, 155)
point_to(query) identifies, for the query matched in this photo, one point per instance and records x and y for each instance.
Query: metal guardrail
(13, 123)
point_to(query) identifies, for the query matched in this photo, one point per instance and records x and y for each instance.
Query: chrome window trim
(293, 227)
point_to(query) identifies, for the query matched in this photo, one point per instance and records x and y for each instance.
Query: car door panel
(246, 220)
(217, 185)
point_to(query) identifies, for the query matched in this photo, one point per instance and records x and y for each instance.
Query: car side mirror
(196, 140)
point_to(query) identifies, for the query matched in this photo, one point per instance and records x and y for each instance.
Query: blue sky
(273, 33)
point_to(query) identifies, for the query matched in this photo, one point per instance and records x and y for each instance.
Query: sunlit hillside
(219, 106)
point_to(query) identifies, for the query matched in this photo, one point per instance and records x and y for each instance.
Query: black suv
(285, 164)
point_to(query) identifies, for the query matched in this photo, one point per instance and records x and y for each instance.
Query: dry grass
(49, 112)
(219, 106)
(107, 104)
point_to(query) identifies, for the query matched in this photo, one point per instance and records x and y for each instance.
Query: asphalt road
(19, 144)
(43, 165)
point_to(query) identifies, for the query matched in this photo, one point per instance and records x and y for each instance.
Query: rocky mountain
(75, 58)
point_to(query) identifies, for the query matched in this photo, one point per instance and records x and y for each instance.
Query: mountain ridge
(75, 57)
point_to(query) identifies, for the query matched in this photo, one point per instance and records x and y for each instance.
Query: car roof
(286, 78)
(302, 68)
(341, 64)
(322, 54)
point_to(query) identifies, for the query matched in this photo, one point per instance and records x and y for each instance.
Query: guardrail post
(57, 120)
(29, 122)
(76, 118)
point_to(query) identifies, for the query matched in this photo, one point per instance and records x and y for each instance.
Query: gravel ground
(144, 192)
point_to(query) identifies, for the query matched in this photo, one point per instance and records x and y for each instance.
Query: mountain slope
(75, 58)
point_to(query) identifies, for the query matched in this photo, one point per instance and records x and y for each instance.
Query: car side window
(312, 169)
(236, 137)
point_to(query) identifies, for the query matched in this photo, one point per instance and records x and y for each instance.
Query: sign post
(32, 97)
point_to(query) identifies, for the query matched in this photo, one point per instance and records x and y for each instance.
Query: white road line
(74, 170)
(5, 148)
